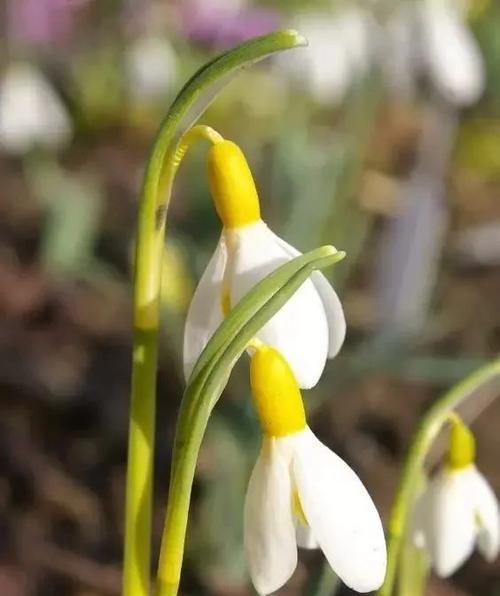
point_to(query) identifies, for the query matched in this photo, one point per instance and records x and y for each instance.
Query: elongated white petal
(487, 517)
(305, 536)
(269, 531)
(299, 330)
(452, 54)
(341, 514)
(205, 311)
(450, 523)
(331, 303)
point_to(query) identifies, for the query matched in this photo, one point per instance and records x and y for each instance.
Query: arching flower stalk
(302, 494)
(458, 510)
(309, 329)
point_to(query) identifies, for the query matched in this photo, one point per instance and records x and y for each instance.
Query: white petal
(299, 330)
(487, 516)
(341, 514)
(269, 531)
(331, 303)
(450, 521)
(305, 536)
(205, 311)
(452, 53)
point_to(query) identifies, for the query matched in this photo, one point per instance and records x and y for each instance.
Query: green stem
(429, 428)
(163, 162)
(136, 578)
(149, 256)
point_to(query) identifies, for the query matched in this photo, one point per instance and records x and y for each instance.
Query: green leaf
(209, 378)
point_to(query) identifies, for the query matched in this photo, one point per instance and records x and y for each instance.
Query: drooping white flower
(339, 52)
(151, 68)
(302, 494)
(457, 512)
(431, 37)
(31, 113)
(309, 328)
(451, 53)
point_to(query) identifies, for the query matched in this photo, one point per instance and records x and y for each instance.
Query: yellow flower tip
(232, 185)
(462, 445)
(276, 393)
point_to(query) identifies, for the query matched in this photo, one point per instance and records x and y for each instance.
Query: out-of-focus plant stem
(429, 429)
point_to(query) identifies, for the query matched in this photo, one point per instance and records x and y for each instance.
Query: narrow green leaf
(208, 382)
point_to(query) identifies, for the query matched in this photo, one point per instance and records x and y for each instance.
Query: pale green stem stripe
(428, 430)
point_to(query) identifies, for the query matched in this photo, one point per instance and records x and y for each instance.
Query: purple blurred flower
(225, 23)
(41, 21)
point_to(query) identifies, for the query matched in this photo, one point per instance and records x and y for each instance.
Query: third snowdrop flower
(310, 327)
(301, 493)
(31, 113)
(458, 510)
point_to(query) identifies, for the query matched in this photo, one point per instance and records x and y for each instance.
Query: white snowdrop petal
(331, 304)
(305, 536)
(269, 531)
(205, 311)
(341, 514)
(487, 517)
(299, 329)
(451, 523)
(453, 57)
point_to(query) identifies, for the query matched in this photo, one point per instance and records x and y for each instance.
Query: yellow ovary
(276, 393)
(232, 185)
(462, 445)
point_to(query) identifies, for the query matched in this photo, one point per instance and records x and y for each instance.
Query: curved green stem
(164, 160)
(138, 506)
(428, 430)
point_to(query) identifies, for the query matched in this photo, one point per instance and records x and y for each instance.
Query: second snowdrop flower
(458, 510)
(301, 493)
(309, 328)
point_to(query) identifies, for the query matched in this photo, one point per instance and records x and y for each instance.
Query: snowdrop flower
(458, 510)
(309, 328)
(151, 68)
(31, 113)
(301, 493)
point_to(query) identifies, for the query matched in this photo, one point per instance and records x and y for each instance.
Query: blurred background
(382, 138)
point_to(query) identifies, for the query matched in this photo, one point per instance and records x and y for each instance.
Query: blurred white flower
(301, 493)
(458, 509)
(31, 112)
(309, 328)
(151, 68)
(339, 52)
(431, 37)
(418, 37)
